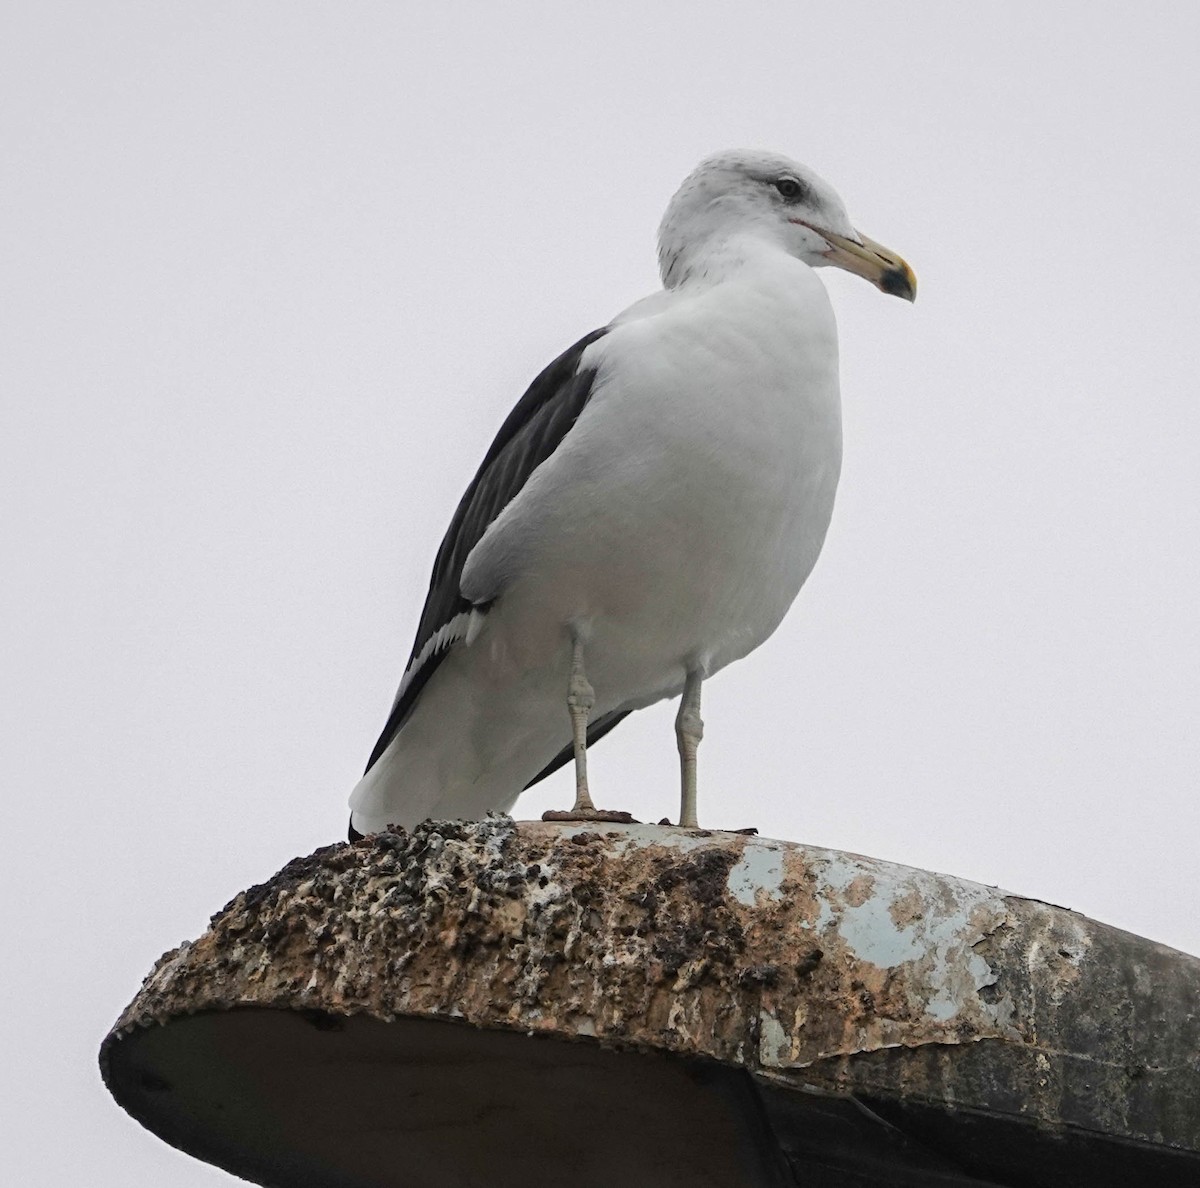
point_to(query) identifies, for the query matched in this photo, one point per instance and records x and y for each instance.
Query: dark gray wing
(529, 435)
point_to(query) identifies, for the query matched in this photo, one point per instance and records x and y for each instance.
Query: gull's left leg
(689, 730)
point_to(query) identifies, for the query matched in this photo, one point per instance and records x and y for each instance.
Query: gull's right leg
(581, 697)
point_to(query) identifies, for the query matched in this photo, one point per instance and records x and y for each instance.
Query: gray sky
(274, 273)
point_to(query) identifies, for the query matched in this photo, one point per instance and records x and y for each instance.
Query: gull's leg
(580, 699)
(689, 730)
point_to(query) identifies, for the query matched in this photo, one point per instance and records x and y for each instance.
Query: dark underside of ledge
(304, 1100)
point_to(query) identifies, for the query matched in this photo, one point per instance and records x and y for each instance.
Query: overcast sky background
(274, 273)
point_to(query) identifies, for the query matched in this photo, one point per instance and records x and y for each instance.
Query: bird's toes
(749, 831)
(614, 815)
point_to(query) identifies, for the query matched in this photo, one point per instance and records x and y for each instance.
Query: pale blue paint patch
(883, 930)
(760, 869)
(870, 931)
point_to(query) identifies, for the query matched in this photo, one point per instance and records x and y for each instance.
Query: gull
(646, 514)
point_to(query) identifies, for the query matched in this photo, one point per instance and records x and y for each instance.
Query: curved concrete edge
(813, 970)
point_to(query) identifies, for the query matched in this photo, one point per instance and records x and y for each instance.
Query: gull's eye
(790, 188)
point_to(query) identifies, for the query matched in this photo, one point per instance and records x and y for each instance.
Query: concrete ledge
(498, 1004)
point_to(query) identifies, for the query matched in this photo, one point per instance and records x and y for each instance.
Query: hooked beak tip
(899, 282)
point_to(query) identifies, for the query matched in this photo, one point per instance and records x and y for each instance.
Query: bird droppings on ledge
(810, 971)
(587, 930)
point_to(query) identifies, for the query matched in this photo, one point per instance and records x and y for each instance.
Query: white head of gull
(646, 514)
(734, 202)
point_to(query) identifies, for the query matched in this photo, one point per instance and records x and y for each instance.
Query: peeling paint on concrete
(794, 962)
(760, 869)
(774, 1043)
(621, 838)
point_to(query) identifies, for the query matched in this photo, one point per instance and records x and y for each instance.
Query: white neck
(718, 258)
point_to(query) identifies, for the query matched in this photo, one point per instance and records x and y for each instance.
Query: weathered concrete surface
(834, 1020)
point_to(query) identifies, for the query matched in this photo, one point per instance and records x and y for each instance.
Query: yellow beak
(866, 258)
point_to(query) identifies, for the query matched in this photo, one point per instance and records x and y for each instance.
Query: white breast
(681, 516)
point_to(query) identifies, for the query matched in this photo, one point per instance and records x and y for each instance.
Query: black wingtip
(351, 832)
